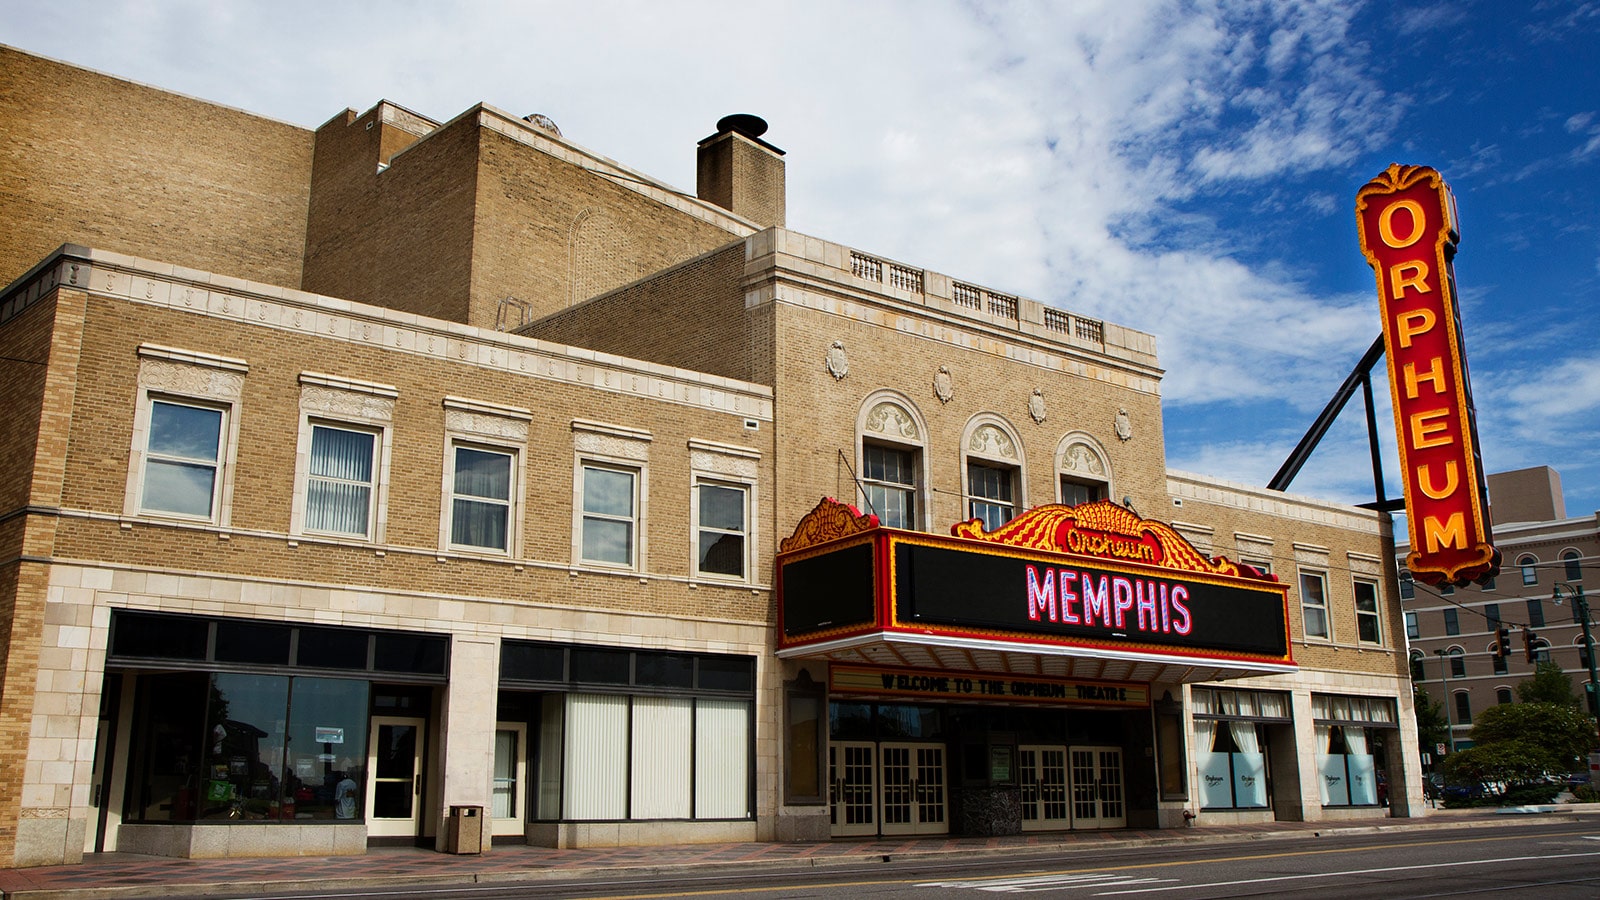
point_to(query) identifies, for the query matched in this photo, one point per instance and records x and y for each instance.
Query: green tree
(1558, 735)
(1432, 727)
(1503, 765)
(1548, 685)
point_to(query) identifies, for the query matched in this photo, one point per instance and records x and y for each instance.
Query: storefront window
(1348, 729)
(248, 747)
(1233, 770)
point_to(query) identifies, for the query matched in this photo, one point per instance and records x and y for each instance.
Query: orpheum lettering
(1408, 234)
(1117, 603)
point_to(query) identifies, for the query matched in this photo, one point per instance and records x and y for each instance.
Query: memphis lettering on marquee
(1406, 218)
(1115, 602)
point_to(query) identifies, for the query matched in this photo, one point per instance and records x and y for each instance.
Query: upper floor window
(340, 480)
(1463, 708)
(610, 514)
(1408, 588)
(1367, 624)
(1082, 470)
(185, 434)
(1458, 662)
(1502, 695)
(890, 477)
(1530, 575)
(992, 494)
(183, 459)
(891, 437)
(1573, 563)
(1417, 659)
(1491, 611)
(1412, 630)
(1452, 622)
(721, 529)
(480, 498)
(343, 452)
(1314, 604)
(1536, 613)
(992, 456)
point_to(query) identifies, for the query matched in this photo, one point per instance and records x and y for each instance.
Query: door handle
(416, 785)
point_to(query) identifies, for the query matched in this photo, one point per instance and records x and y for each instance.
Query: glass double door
(1071, 787)
(888, 788)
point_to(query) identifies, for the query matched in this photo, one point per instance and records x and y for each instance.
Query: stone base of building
(804, 824)
(233, 841)
(569, 835)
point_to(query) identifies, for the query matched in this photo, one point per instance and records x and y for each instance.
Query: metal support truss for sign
(1360, 376)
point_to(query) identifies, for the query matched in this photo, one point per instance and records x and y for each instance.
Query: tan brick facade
(485, 286)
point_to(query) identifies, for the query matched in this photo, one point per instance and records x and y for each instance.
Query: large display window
(1230, 738)
(1349, 731)
(229, 746)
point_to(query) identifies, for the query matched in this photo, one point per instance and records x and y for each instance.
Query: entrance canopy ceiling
(1091, 592)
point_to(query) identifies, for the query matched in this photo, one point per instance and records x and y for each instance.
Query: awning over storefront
(1089, 592)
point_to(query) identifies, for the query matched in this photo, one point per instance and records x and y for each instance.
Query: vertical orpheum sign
(1407, 220)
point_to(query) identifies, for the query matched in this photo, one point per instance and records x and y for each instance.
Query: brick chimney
(740, 172)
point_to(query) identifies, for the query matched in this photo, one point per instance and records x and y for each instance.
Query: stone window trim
(495, 428)
(1254, 546)
(338, 402)
(990, 440)
(195, 378)
(890, 419)
(622, 448)
(715, 463)
(1082, 459)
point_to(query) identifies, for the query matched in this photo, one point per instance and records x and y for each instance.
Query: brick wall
(104, 162)
(691, 315)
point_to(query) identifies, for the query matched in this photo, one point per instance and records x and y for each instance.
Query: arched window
(1408, 588)
(889, 460)
(1572, 559)
(1530, 575)
(1463, 708)
(1502, 695)
(1083, 472)
(1458, 662)
(1417, 659)
(1541, 651)
(992, 458)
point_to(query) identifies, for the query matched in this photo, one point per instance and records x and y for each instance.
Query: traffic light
(1529, 638)
(1502, 643)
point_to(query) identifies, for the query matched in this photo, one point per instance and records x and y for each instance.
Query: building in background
(1453, 632)
(448, 482)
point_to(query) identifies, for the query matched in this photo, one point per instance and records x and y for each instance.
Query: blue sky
(1187, 169)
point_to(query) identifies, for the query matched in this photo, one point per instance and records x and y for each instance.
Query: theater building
(316, 435)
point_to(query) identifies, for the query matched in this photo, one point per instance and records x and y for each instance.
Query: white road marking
(1028, 884)
(1409, 868)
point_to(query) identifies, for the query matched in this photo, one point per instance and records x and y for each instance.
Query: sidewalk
(124, 876)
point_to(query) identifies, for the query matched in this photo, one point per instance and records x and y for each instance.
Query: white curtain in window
(339, 489)
(1216, 780)
(1273, 705)
(1324, 738)
(722, 759)
(1249, 767)
(1363, 773)
(596, 757)
(660, 767)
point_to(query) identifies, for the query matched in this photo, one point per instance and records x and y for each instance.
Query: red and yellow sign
(1407, 222)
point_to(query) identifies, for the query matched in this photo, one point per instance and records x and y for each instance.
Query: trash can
(464, 831)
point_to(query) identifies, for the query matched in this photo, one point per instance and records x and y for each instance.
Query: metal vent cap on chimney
(744, 123)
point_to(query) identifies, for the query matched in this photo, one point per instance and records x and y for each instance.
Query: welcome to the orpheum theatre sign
(1407, 221)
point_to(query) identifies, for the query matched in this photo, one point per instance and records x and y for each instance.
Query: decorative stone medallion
(838, 365)
(943, 386)
(1036, 406)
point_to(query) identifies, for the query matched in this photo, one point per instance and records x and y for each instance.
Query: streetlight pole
(1581, 607)
(1449, 717)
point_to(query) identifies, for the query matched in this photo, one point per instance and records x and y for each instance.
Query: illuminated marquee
(1407, 223)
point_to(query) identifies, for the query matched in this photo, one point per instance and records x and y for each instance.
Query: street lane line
(1406, 868)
